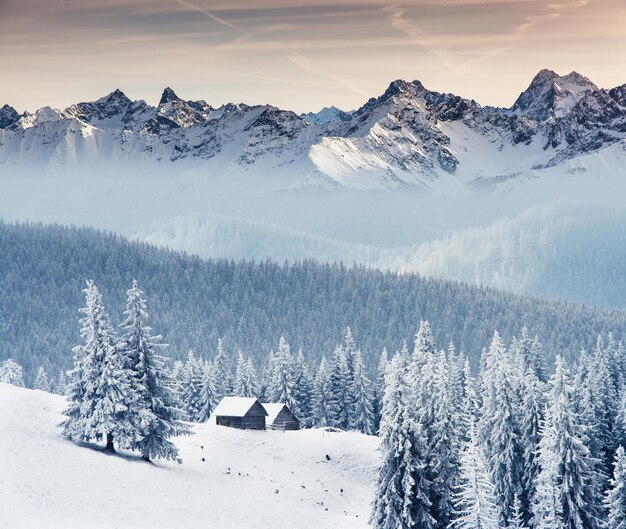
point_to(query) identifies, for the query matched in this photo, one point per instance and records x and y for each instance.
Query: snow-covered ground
(247, 479)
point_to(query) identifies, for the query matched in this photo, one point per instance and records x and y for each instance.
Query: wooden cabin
(280, 417)
(245, 413)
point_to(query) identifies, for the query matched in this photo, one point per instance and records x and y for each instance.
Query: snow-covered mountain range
(414, 180)
(409, 136)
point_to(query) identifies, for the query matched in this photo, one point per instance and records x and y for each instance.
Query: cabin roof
(234, 406)
(273, 409)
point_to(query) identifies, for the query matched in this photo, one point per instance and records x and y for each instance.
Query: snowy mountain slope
(409, 136)
(260, 479)
(326, 115)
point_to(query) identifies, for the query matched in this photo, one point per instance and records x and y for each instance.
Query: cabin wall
(243, 423)
(231, 422)
(285, 420)
(254, 422)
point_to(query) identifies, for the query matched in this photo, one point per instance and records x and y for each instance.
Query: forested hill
(192, 302)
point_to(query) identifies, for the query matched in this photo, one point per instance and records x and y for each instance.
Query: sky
(300, 55)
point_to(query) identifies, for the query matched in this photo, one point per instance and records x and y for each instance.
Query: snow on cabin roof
(273, 409)
(234, 406)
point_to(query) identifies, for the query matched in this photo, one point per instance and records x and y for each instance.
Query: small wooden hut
(245, 413)
(280, 417)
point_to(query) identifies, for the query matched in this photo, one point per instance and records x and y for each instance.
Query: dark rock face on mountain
(551, 95)
(8, 116)
(409, 135)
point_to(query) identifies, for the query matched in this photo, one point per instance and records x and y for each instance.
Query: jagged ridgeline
(250, 305)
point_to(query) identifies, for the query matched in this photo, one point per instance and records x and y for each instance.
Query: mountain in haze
(413, 180)
(326, 115)
(408, 136)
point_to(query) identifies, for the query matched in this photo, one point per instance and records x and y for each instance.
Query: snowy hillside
(247, 479)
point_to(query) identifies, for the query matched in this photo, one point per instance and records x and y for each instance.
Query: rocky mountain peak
(551, 95)
(168, 96)
(8, 116)
(116, 97)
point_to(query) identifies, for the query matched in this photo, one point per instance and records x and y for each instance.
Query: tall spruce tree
(341, 398)
(41, 380)
(532, 409)
(61, 384)
(321, 389)
(246, 384)
(379, 388)
(615, 499)
(240, 376)
(474, 499)
(401, 500)
(570, 466)
(362, 418)
(303, 390)
(282, 383)
(223, 372)
(208, 394)
(158, 415)
(191, 388)
(547, 512)
(102, 396)
(500, 430)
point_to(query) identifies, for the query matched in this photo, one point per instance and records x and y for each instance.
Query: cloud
(208, 14)
(307, 64)
(553, 11)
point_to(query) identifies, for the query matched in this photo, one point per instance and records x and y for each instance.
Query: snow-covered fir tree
(12, 373)
(155, 407)
(223, 373)
(246, 384)
(527, 354)
(282, 384)
(500, 430)
(60, 387)
(531, 418)
(474, 498)
(517, 517)
(567, 467)
(362, 418)
(379, 388)
(240, 376)
(208, 394)
(191, 387)
(102, 392)
(41, 380)
(615, 498)
(402, 499)
(341, 398)
(303, 390)
(322, 414)
(445, 441)
(266, 377)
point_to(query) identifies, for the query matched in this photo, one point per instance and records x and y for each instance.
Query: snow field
(247, 479)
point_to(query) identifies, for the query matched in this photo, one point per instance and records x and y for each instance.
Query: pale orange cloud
(299, 56)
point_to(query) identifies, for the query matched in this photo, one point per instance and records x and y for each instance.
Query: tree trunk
(146, 458)
(109, 447)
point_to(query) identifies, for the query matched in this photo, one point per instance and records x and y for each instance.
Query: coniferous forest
(249, 306)
(519, 444)
(526, 433)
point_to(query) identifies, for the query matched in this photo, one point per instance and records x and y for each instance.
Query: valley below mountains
(412, 181)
